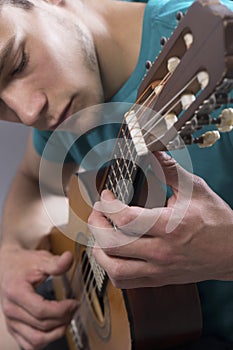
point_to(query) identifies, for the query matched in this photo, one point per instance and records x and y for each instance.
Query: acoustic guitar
(191, 77)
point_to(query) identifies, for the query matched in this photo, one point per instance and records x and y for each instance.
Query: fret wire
(130, 167)
(117, 183)
(128, 170)
(123, 182)
(111, 182)
(113, 171)
(128, 156)
(132, 152)
(121, 173)
(127, 167)
(124, 172)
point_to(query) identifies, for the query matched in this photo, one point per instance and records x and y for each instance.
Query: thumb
(181, 182)
(56, 264)
(175, 175)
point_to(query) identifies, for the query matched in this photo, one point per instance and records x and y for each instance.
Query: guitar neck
(124, 177)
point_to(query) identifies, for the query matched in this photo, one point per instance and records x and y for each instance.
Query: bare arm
(33, 321)
(24, 204)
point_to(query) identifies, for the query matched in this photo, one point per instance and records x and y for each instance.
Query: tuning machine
(224, 123)
(208, 139)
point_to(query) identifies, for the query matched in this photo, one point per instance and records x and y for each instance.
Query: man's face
(51, 69)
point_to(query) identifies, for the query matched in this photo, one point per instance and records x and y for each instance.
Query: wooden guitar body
(143, 318)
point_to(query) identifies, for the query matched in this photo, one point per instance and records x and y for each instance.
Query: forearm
(25, 220)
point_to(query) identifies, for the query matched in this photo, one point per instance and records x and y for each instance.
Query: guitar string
(109, 185)
(149, 100)
(90, 281)
(112, 187)
(126, 154)
(90, 284)
(72, 279)
(152, 126)
(159, 114)
(155, 117)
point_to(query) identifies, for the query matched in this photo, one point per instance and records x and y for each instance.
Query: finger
(25, 345)
(128, 273)
(147, 248)
(107, 198)
(176, 176)
(134, 222)
(14, 312)
(134, 273)
(130, 220)
(40, 308)
(34, 339)
(118, 267)
(55, 264)
(105, 234)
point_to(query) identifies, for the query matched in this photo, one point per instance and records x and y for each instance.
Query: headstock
(191, 77)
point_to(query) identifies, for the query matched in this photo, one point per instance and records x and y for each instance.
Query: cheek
(47, 69)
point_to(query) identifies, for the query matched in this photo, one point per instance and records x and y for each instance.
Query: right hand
(33, 321)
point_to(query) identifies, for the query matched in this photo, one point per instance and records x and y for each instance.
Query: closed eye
(21, 66)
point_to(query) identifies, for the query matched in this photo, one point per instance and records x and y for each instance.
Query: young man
(57, 58)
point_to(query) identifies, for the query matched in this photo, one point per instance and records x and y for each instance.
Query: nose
(27, 104)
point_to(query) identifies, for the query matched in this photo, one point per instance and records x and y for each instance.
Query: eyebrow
(5, 52)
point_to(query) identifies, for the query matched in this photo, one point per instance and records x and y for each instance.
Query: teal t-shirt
(213, 164)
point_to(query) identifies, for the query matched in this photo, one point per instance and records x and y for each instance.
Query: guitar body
(143, 318)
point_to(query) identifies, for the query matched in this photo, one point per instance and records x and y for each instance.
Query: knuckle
(125, 218)
(7, 308)
(162, 254)
(111, 250)
(39, 313)
(199, 182)
(116, 271)
(44, 325)
(9, 292)
(37, 340)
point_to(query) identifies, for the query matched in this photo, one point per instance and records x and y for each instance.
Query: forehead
(15, 20)
(12, 20)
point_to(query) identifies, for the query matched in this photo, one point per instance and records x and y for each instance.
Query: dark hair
(25, 4)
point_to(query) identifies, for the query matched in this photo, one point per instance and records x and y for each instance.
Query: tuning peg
(172, 63)
(170, 119)
(187, 100)
(203, 79)
(226, 120)
(207, 139)
(188, 39)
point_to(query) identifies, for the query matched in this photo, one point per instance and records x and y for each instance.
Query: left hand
(189, 240)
